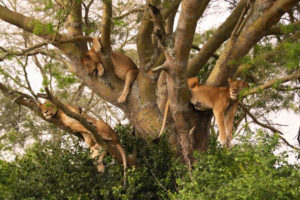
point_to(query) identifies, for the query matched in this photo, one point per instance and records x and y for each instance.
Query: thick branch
(74, 24)
(264, 14)
(106, 25)
(176, 60)
(36, 46)
(144, 42)
(217, 39)
(28, 24)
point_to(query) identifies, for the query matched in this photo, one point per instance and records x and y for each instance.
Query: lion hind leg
(130, 76)
(229, 120)
(124, 158)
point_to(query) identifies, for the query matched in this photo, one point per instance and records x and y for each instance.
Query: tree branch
(270, 83)
(263, 15)
(274, 130)
(219, 36)
(106, 25)
(128, 13)
(28, 24)
(39, 45)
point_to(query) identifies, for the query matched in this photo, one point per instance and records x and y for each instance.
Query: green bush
(249, 170)
(51, 171)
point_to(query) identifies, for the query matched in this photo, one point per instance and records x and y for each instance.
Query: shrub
(247, 171)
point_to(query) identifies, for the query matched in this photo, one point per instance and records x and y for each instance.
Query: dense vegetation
(250, 170)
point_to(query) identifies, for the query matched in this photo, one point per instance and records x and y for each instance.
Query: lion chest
(207, 97)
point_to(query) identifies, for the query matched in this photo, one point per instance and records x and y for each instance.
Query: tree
(60, 40)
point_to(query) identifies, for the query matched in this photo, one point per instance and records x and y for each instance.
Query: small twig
(159, 183)
(128, 13)
(159, 68)
(87, 9)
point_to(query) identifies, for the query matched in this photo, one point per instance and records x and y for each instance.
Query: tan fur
(192, 82)
(223, 101)
(124, 67)
(50, 110)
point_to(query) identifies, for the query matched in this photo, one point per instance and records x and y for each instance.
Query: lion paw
(223, 142)
(122, 99)
(100, 70)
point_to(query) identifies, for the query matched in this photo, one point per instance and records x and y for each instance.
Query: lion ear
(85, 57)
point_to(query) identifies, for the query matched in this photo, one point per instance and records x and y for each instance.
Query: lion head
(235, 87)
(49, 109)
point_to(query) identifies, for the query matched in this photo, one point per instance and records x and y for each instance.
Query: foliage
(65, 171)
(249, 170)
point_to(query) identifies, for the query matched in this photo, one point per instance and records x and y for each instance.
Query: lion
(223, 101)
(124, 67)
(50, 110)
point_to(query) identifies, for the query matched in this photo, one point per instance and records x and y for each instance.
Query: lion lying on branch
(50, 110)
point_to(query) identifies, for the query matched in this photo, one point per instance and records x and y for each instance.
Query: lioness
(124, 67)
(50, 110)
(223, 101)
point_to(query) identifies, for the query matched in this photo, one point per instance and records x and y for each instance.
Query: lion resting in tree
(50, 110)
(223, 101)
(124, 67)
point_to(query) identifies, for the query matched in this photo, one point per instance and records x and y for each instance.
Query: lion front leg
(229, 120)
(130, 77)
(219, 115)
